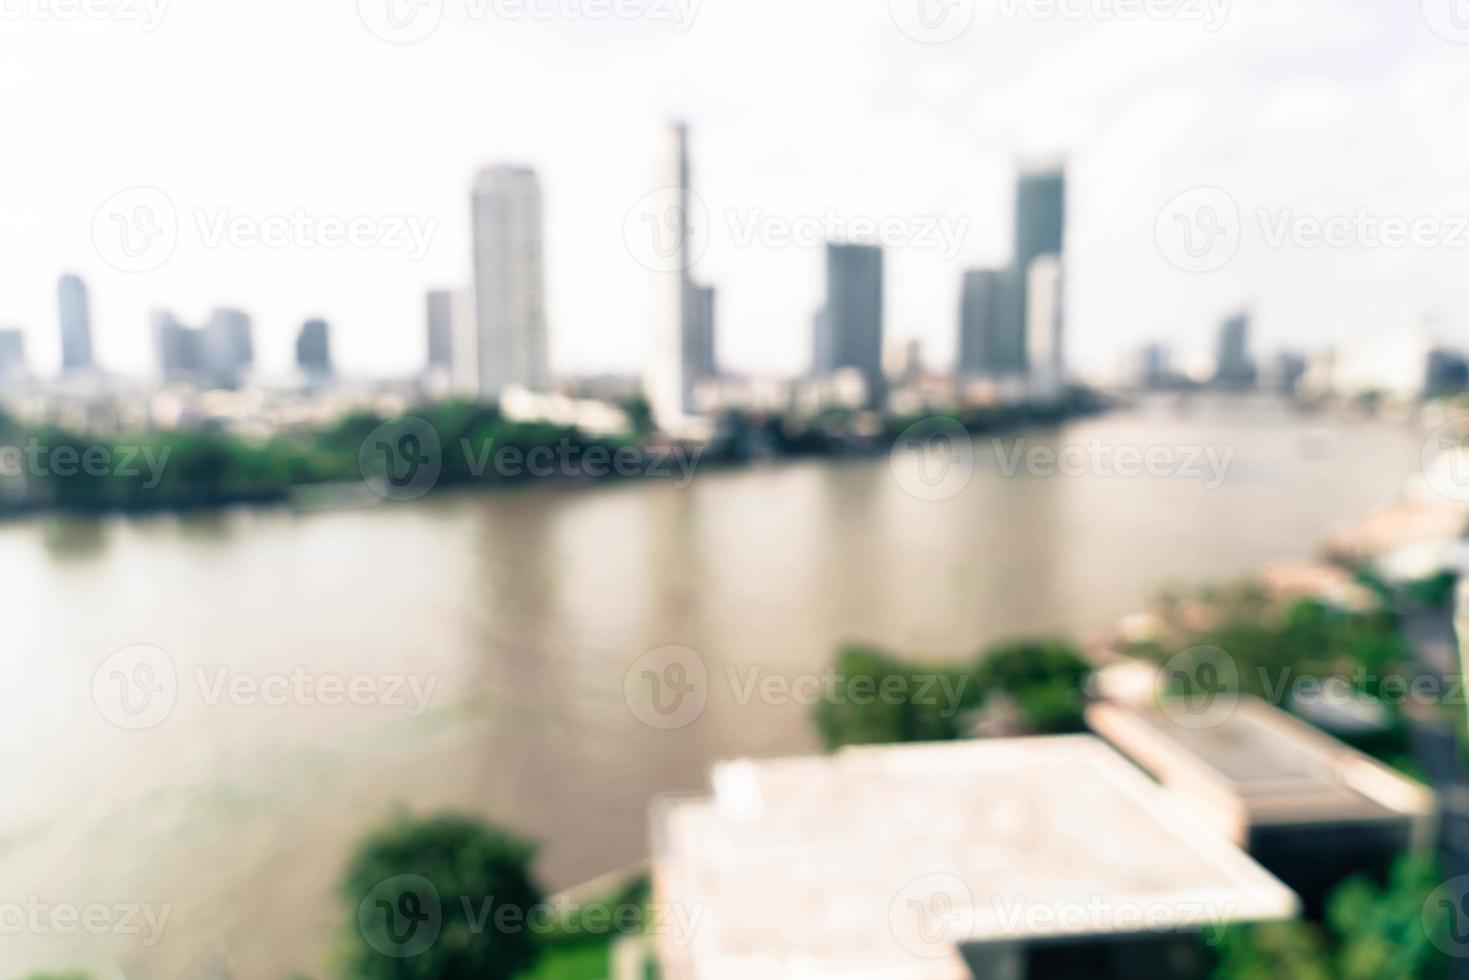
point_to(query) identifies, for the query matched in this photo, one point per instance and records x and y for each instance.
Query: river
(508, 622)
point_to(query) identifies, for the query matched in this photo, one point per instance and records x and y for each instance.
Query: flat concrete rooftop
(884, 862)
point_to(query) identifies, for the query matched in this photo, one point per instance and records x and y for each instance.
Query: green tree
(440, 898)
(1046, 678)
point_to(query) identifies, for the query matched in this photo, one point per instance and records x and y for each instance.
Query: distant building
(12, 355)
(1151, 367)
(509, 281)
(1026, 858)
(683, 344)
(852, 320)
(1044, 332)
(439, 320)
(703, 332)
(983, 333)
(1040, 229)
(313, 350)
(76, 324)
(1232, 365)
(179, 349)
(229, 348)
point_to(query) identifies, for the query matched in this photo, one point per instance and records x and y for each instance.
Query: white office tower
(673, 366)
(509, 281)
(1043, 329)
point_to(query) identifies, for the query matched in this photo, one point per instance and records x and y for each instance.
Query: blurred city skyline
(1317, 111)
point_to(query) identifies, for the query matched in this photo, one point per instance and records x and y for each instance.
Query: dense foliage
(879, 698)
(441, 898)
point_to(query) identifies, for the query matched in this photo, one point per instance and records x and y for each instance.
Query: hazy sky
(800, 109)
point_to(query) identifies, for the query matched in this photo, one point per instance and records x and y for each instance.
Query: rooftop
(1260, 759)
(883, 862)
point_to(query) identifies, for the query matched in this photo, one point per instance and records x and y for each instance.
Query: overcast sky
(799, 110)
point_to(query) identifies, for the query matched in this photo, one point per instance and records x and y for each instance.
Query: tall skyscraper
(1044, 330)
(1040, 229)
(313, 350)
(229, 347)
(439, 310)
(1232, 365)
(983, 325)
(703, 331)
(852, 320)
(509, 280)
(76, 324)
(673, 358)
(180, 349)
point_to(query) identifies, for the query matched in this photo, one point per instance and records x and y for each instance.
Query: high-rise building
(852, 320)
(703, 358)
(1044, 330)
(439, 310)
(180, 349)
(12, 355)
(76, 324)
(1232, 365)
(672, 368)
(313, 350)
(509, 281)
(982, 324)
(1040, 229)
(229, 348)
